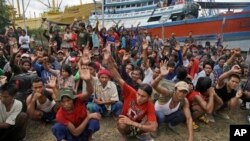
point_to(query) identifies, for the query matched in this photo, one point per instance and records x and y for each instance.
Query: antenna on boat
(24, 18)
(18, 8)
(103, 13)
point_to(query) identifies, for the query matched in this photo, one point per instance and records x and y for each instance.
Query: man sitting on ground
(13, 122)
(74, 122)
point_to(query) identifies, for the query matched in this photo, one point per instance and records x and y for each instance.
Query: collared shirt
(109, 92)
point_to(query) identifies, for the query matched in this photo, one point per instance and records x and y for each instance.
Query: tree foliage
(4, 14)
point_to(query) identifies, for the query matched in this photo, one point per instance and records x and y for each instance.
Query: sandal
(195, 126)
(204, 119)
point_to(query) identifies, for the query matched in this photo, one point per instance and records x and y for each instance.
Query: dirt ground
(218, 131)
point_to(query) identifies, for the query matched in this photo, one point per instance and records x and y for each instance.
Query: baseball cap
(182, 86)
(66, 92)
(25, 55)
(60, 51)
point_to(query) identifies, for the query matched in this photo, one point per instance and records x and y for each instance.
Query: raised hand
(236, 69)
(33, 57)
(126, 56)
(50, 44)
(163, 68)
(79, 53)
(236, 51)
(117, 43)
(106, 53)
(15, 50)
(111, 62)
(84, 72)
(52, 82)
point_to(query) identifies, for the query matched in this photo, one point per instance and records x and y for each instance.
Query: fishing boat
(162, 18)
(54, 14)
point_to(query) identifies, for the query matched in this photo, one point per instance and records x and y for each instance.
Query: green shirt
(1, 72)
(77, 76)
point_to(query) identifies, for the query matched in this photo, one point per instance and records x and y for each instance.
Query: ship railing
(119, 1)
(157, 11)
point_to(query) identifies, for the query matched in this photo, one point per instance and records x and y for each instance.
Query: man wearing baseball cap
(74, 122)
(174, 109)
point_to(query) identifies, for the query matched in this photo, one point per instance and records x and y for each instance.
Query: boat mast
(24, 18)
(103, 2)
(18, 8)
(53, 5)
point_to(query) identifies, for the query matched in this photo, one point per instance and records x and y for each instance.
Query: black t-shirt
(223, 93)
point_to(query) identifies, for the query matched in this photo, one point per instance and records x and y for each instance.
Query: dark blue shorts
(60, 131)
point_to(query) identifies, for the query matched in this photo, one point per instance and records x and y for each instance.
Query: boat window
(117, 6)
(127, 6)
(133, 5)
(138, 4)
(150, 3)
(154, 19)
(144, 4)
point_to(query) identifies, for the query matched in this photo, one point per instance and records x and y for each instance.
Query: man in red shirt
(138, 113)
(74, 122)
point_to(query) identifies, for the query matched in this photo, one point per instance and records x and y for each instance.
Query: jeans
(60, 131)
(116, 108)
(172, 119)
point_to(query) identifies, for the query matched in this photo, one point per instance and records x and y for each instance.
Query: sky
(36, 7)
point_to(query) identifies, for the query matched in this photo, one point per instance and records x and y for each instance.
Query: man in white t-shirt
(24, 41)
(13, 122)
(41, 104)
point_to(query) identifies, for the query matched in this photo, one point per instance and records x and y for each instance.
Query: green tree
(5, 14)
